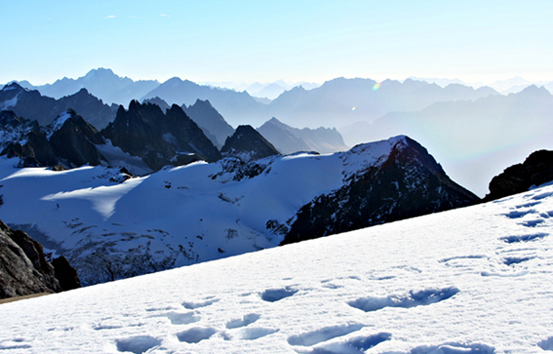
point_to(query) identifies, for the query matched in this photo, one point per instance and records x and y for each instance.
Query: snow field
(472, 280)
(174, 217)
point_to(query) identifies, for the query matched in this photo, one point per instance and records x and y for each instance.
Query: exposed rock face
(211, 122)
(408, 183)
(536, 169)
(74, 142)
(69, 141)
(160, 139)
(33, 106)
(35, 152)
(248, 145)
(24, 269)
(289, 140)
(66, 275)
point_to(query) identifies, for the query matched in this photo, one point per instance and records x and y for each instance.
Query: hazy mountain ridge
(32, 105)
(289, 140)
(102, 83)
(211, 122)
(474, 140)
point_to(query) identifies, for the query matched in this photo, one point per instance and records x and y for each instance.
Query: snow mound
(446, 283)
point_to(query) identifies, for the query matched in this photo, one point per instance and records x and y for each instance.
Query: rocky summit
(248, 144)
(407, 182)
(160, 139)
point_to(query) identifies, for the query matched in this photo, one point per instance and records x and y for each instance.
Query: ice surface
(475, 293)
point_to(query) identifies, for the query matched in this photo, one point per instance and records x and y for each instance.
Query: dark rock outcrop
(35, 152)
(247, 144)
(537, 169)
(24, 269)
(408, 183)
(74, 142)
(66, 275)
(210, 121)
(159, 139)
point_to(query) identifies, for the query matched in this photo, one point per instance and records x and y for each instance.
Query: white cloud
(164, 15)
(108, 17)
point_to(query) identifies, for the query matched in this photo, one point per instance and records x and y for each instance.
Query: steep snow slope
(472, 280)
(111, 230)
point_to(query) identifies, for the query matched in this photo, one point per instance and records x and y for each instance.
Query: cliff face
(24, 269)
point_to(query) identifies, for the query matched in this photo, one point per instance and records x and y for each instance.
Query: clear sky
(246, 41)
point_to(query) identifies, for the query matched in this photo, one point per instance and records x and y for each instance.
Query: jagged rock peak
(160, 139)
(248, 144)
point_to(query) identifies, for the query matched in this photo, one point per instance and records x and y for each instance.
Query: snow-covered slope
(111, 230)
(471, 280)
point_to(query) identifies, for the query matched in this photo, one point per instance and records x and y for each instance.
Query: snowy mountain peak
(59, 122)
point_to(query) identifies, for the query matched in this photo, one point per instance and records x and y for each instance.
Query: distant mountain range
(102, 83)
(336, 103)
(512, 85)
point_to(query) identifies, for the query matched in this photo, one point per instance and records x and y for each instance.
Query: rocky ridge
(248, 145)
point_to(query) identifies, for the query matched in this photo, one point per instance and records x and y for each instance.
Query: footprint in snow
(356, 345)
(272, 295)
(137, 344)
(509, 261)
(453, 348)
(523, 238)
(196, 334)
(546, 344)
(412, 299)
(250, 333)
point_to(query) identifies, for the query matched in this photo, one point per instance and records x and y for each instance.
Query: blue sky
(246, 41)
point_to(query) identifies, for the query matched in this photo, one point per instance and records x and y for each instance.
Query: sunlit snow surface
(174, 217)
(472, 280)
